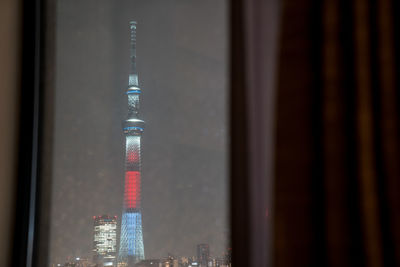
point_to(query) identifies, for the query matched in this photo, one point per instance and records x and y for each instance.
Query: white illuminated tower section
(131, 248)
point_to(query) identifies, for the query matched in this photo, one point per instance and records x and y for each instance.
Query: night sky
(182, 65)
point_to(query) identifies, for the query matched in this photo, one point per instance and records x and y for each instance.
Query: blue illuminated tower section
(131, 248)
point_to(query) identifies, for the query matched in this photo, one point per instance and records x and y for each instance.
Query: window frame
(253, 45)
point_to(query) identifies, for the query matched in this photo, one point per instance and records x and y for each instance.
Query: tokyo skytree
(131, 248)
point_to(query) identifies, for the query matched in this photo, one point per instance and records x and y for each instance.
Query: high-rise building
(203, 254)
(105, 240)
(131, 248)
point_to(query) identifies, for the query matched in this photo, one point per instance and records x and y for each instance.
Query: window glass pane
(137, 182)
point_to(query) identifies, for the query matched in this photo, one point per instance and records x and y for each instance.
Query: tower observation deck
(131, 248)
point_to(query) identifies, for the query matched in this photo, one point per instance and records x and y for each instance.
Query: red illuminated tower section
(131, 249)
(132, 174)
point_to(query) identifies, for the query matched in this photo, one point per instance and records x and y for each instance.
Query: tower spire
(133, 90)
(133, 77)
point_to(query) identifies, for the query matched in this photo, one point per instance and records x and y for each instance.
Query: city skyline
(183, 62)
(169, 260)
(105, 248)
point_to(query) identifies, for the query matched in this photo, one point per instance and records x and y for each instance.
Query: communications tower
(131, 248)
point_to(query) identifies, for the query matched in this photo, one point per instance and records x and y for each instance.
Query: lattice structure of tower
(131, 249)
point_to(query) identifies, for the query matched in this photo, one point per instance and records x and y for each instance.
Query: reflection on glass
(125, 193)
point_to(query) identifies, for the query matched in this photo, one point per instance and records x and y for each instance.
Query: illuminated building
(131, 248)
(105, 240)
(203, 254)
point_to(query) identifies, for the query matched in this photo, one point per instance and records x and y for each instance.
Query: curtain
(336, 172)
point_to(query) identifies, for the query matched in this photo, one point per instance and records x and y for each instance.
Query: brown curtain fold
(388, 129)
(337, 149)
(367, 173)
(254, 35)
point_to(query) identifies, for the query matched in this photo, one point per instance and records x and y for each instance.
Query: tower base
(131, 248)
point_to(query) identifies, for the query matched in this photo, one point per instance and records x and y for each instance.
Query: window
(89, 50)
(163, 172)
